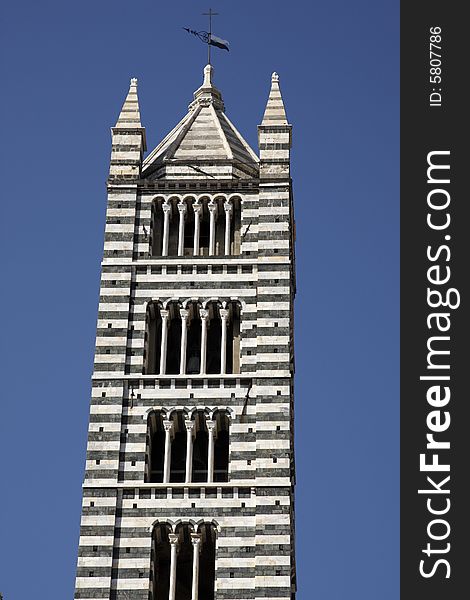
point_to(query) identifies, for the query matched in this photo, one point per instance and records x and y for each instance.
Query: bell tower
(189, 481)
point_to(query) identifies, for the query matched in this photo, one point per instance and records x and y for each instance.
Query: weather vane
(208, 37)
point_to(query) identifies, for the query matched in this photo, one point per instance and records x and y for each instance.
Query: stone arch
(240, 301)
(172, 300)
(174, 409)
(201, 408)
(150, 410)
(169, 523)
(184, 303)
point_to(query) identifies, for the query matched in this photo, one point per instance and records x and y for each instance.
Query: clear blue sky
(65, 72)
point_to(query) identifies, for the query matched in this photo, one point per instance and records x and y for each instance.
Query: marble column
(213, 215)
(182, 209)
(228, 216)
(165, 314)
(223, 344)
(204, 314)
(196, 541)
(190, 429)
(174, 543)
(211, 428)
(168, 426)
(197, 227)
(166, 227)
(184, 313)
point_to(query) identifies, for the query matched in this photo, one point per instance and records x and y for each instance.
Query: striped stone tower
(189, 483)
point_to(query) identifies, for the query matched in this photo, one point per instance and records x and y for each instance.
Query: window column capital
(190, 426)
(212, 206)
(211, 426)
(196, 541)
(168, 426)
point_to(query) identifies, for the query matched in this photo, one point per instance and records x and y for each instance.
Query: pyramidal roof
(204, 140)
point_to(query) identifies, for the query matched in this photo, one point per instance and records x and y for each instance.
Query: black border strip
(440, 128)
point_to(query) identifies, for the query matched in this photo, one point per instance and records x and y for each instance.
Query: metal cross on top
(209, 14)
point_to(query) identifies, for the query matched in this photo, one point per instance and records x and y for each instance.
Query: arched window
(207, 562)
(184, 565)
(221, 447)
(155, 448)
(210, 344)
(233, 338)
(204, 231)
(183, 560)
(178, 448)
(200, 448)
(153, 335)
(193, 345)
(195, 227)
(160, 562)
(236, 227)
(189, 222)
(156, 236)
(220, 228)
(214, 335)
(173, 228)
(173, 342)
(186, 449)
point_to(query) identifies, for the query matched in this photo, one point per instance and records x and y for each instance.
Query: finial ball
(274, 76)
(134, 81)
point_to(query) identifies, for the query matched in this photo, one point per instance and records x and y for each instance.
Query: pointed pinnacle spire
(275, 113)
(128, 140)
(129, 117)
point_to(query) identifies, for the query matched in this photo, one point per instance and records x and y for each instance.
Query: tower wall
(252, 512)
